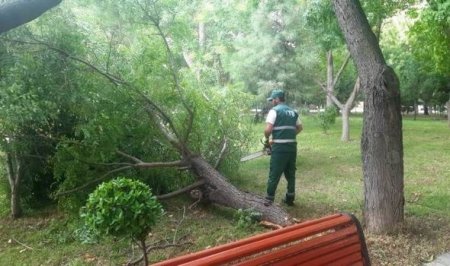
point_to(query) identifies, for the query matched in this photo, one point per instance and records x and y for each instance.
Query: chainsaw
(266, 150)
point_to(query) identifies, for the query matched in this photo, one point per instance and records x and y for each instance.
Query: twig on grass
(22, 244)
(168, 245)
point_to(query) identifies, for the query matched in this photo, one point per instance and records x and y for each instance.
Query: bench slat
(335, 256)
(276, 240)
(353, 259)
(332, 240)
(190, 257)
(308, 249)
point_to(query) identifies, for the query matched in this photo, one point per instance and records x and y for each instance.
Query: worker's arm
(299, 128)
(270, 121)
(268, 130)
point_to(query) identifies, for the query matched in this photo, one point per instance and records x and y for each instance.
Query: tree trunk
(13, 168)
(381, 143)
(144, 250)
(16, 209)
(448, 112)
(18, 12)
(345, 112)
(218, 190)
(416, 109)
(330, 78)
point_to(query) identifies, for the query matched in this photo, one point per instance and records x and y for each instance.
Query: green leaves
(327, 118)
(122, 207)
(247, 218)
(430, 37)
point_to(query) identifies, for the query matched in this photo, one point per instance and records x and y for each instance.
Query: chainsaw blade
(252, 156)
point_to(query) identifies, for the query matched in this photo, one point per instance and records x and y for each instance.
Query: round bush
(122, 207)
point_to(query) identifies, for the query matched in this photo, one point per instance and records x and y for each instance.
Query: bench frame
(335, 239)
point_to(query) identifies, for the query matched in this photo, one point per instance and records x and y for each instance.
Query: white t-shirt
(272, 116)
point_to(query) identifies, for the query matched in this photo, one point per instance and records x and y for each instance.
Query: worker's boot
(289, 199)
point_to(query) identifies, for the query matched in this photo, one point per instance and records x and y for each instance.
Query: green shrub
(4, 191)
(327, 118)
(246, 218)
(122, 207)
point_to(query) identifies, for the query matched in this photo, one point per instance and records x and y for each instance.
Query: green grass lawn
(329, 179)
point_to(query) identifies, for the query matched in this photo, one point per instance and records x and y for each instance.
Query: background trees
(416, 55)
(38, 95)
(429, 42)
(81, 85)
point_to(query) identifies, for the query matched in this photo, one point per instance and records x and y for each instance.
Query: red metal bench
(332, 240)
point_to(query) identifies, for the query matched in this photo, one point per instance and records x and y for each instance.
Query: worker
(283, 124)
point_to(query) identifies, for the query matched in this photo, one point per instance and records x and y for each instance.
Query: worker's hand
(266, 143)
(267, 146)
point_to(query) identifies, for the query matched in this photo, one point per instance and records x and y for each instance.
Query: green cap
(277, 93)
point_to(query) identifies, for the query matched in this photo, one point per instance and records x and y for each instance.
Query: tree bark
(330, 78)
(329, 90)
(345, 136)
(13, 168)
(144, 251)
(345, 108)
(448, 112)
(219, 191)
(346, 112)
(425, 109)
(416, 109)
(381, 143)
(18, 12)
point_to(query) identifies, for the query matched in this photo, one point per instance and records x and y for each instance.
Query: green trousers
(282, 163)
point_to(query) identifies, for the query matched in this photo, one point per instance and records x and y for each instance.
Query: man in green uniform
(283, 124)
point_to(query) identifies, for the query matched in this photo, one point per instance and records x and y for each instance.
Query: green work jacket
(285, 129)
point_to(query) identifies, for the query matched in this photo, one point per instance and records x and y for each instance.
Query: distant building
(358, 109)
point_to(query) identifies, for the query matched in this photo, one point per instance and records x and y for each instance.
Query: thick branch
(338, 75)
(182, 190)
(137, 165)
(353, 94)
(221, 154)
(18, 12)
(10, 170)
(332, 97)
(160, 164)
(155, 20)
(330, 93)
(361, 41)
(92, 182)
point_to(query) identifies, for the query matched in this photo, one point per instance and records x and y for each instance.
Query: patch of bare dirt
(420, 240)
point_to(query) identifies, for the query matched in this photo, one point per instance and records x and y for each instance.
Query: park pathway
(442, 260)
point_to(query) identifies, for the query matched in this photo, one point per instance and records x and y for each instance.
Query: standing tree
(276, 32)
(321, 21)
(13, 14)
(381, 143)
(35, 110)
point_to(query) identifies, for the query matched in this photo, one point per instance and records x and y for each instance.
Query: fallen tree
(210, 185)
